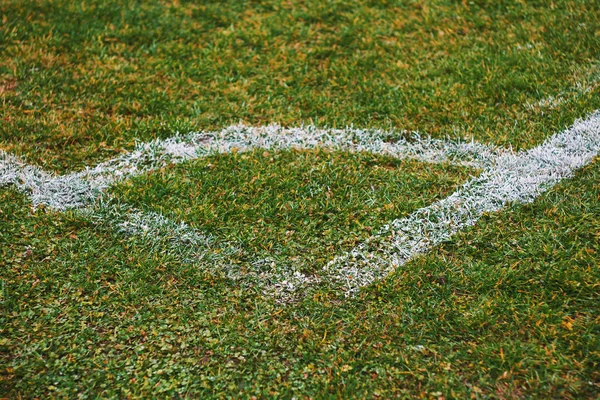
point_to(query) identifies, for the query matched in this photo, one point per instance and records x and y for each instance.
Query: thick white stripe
(514, 178)
(58, 192)
(507, 177)
(78, 189)
(239, 138)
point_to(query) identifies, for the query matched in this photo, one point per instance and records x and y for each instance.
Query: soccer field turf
(138, 259)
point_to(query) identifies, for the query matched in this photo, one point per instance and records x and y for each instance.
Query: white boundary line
(507, 177)
(240, 138)
(515, 178)
(83, 191)
(78, 189)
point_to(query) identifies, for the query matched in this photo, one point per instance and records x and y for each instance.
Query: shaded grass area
(302, 207)
(507, 309)
(79, 81)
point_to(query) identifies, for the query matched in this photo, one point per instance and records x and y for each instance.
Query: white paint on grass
(158, 234)
(57, 192)
(514, 178)
(154, 229)
(506, 178)
(79, 189)
(238, 138)
(587, 81)
(85, 191)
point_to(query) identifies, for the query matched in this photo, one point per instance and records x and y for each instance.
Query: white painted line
(154, 228)
(159, 153)
(84, 190)
(79, 189)
(159, 235)
(514, 178)
(507, 177)
(57, 192)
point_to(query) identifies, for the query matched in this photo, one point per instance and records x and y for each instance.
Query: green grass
(292, 205)
(506, 309)
(81, 80)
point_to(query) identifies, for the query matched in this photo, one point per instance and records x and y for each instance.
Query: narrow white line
(153, 228)
(160, 235)
(238, 138)
(587, 80)
(514, 178)
(79, 189)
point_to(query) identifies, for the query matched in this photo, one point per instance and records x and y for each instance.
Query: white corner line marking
(79, 189)
(507, 177)
(514, 178)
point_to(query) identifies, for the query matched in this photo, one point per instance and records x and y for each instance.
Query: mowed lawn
(506, 309)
